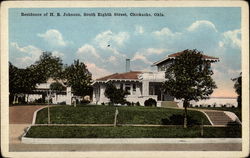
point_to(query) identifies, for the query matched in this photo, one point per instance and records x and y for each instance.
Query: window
(121, 86)
(134, 89)
(127, 88)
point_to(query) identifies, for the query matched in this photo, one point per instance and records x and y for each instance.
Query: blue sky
(215, 31)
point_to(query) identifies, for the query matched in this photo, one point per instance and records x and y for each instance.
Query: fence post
(202, 132)
(116, 113)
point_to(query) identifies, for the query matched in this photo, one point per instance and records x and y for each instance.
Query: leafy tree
(116, 96)
(21, 81)
(189, 78)
(46, 67)
(79, 78)
(238, 88)
(57, 87)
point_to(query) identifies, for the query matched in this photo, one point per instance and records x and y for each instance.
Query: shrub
(150, 102)
(201, 105)
(214, 105)
(209, 106)
(102, 103)
(196, 106)
(84, 101)
(177, 119)
(62, 103)
(127, 103)
(233, 106)
(137, 104)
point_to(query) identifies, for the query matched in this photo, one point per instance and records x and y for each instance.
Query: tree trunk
(185, 104)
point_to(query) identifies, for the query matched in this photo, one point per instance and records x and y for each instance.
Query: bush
(137, 104)
(62, 103)
(150, 102)
(209, 106)
(177, 119)
(84, 101)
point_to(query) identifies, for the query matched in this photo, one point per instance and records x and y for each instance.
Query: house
(55, 98)
(140, 85)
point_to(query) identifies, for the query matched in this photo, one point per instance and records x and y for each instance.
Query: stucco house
(140, 85)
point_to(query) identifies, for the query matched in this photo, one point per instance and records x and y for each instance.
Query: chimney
(127, 65)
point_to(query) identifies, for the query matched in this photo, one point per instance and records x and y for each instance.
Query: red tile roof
(132, 75)
(204, 56)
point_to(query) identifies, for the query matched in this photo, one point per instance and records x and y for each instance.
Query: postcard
(124, 79)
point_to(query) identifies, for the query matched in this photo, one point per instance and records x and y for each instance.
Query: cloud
(231, 38)
(96, 71)
(165, 32)
(141, 57)
(109, 38)
(112, 59)
(154, 51)
(201, 25)
(87, 49)
(29, 54)
(57, 54)
(53, 37)
(139, 29)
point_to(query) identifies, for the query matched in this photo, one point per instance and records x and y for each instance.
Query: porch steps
(218, 117)
(167, 104)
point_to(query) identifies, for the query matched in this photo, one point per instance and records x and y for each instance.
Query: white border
(71, 4)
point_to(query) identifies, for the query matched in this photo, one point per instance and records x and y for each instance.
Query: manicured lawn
(131, 132)
(94, 114)
(237, 111)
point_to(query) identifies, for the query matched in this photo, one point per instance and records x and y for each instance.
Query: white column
(68, 97)
(145, 88)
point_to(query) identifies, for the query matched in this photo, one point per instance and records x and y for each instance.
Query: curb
(35, 113)
(27, 140)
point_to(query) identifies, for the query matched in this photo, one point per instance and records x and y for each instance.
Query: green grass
(237, 111)
(131, 132)
(92, 114)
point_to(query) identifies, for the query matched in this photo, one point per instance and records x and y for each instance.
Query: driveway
(20, 118)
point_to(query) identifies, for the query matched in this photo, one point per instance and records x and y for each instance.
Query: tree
(21, 81)
(116, 96)
(189, 78)
(49, 66)
(79, 78)
(238, 88)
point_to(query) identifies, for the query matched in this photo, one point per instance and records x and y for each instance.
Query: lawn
(99, 114)
(132, 132)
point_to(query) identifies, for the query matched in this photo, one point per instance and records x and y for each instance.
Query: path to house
(21, 118)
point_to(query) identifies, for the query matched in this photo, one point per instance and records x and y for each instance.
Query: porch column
(145, 88)
(68, 95)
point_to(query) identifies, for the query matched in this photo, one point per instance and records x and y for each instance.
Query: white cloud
(96, 71)
(87, 49)
(165, 32)
(141, 57)
(112, 59)
(109, 38)
(31, 54)
(201, 24)
(57, 54)
(53, 37)
(232, 38)
(152, 51)
(139, 29)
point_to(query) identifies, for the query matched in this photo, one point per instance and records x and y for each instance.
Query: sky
(104, 43)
